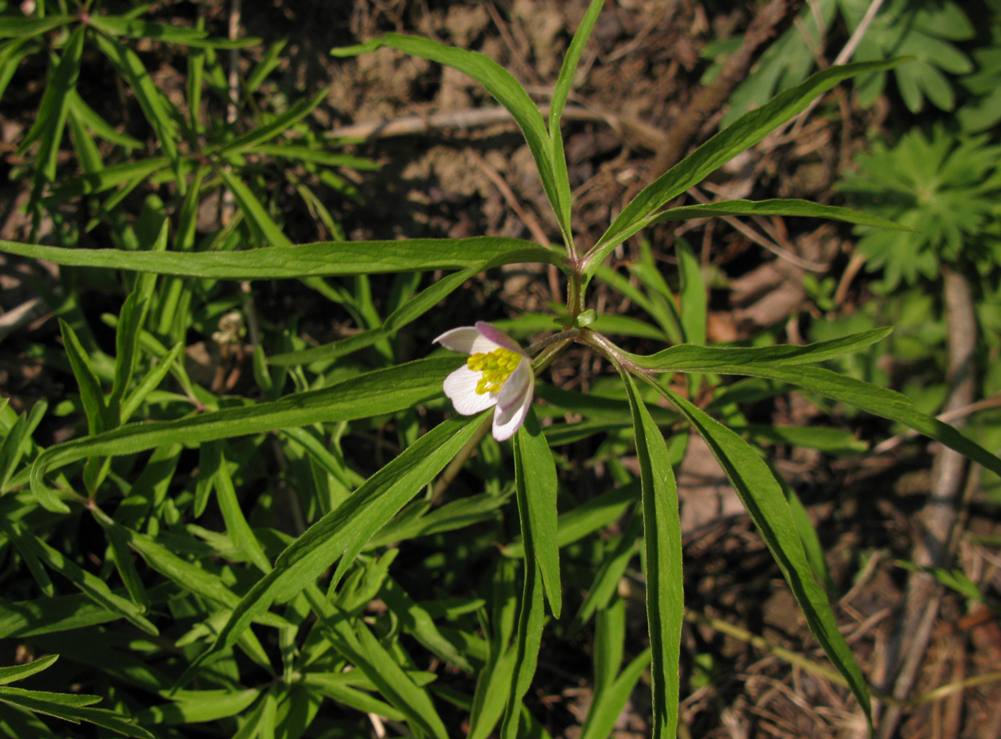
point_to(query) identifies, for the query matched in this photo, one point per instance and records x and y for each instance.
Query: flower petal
(507, 420)
(468, 340)
(514, 387)
(498, 337)
(460, 387)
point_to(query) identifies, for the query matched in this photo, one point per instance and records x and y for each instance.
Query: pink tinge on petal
(513, 390)
(498, 337)
(460, 387)
(508, 420)
(467, 340)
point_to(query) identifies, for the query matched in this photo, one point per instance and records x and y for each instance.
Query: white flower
(497, 373)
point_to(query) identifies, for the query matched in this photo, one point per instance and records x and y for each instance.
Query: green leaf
(65, 706)
(268, 63)
(407, 313)
(197, 37)
(777, 207)
(369, 394)
(199, 706)
(501, 85)
(186, 575)
(320, 259)
(561, 91)
(122, 558)
(665, 600)
(255, 212)
(21, 672)
(62, 699)
(151, 381)
(89, 584)
(586, 518)
(418, 622)
(745, 132)
(534, 461)
(91, 395)
(694, 298)
(734, 360)
(609, 704)
(153, 105)
(611, 571)
(128, 332)
(51, 615)
(766, 502)
(237, 528)
(343, 532)
(92, 120)
(535, 476)
(609, 640)
(107, 179)
(357, 643)
(493, 683)
(870, 398)
(18, 441)
(50, 119)
(276, 126)
(333, 686)
(19, 28)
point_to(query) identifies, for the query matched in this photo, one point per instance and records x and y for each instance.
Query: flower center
(494, 368)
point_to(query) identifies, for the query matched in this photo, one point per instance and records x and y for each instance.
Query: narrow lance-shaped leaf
(320, 259)
(18, 441)
(870, 398)
(608, 706)
(91, 395)
(561, 91)
(151, 101)
(410, 311)
(50, 120)
(198, 706)
(766, 502)
(731, 359)
(498, 82)
(137, 28)
(665, 599)
(100, 127)
(535, 475)
(694, 301)
(65, 706)
(745, 132)
(21, 672)
(534, 461)
(229, 505)
(255, 211)
(789, 207)
(373, 393)
(609, 643)
(343, 532)
(18, 28)
(89, 584)
(359, 645)
(276, 126)
(128, 332)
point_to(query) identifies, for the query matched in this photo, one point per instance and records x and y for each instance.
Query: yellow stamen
(494, 368)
